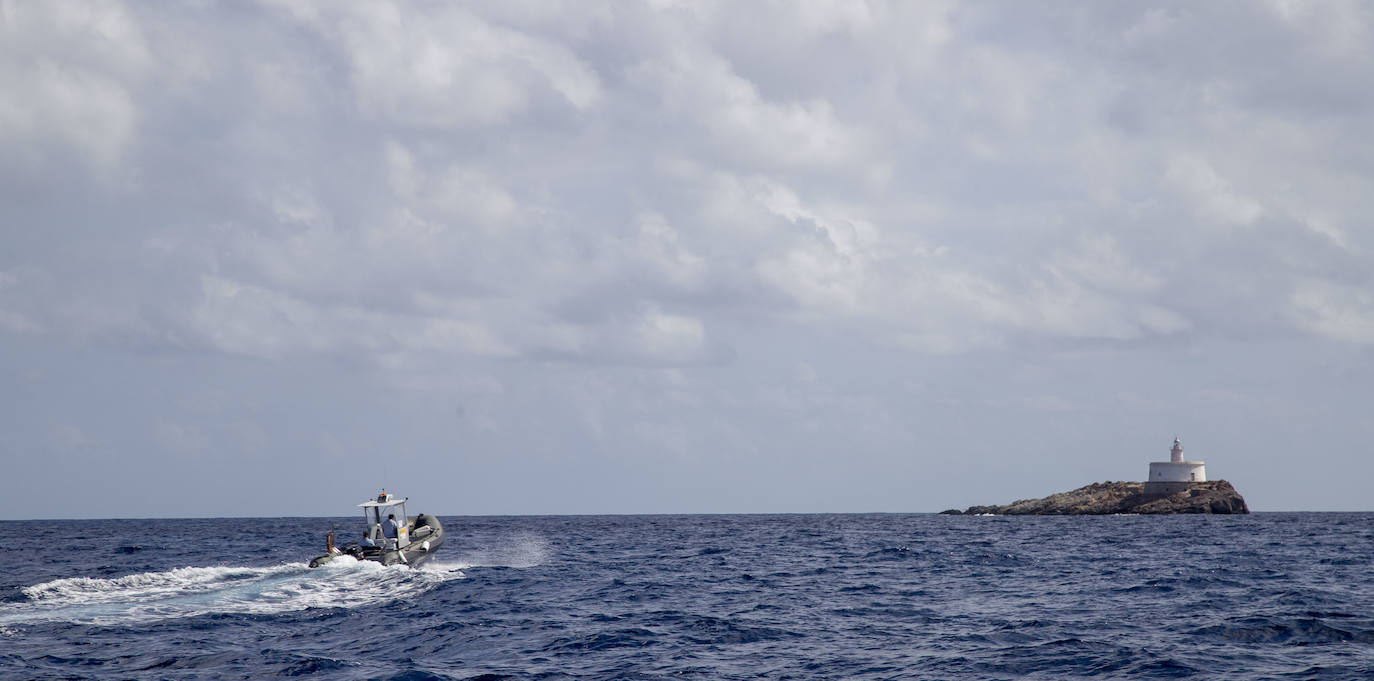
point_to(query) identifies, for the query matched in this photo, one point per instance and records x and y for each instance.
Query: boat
(412, 542)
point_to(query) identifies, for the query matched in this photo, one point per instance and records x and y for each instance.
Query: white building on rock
(1174, 475)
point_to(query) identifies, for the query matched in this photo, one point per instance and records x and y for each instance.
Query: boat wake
(194, 591)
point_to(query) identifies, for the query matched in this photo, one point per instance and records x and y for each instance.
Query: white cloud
(1212, 196)
(658, 249)
(85, 112)
(1098, 261)
(1337, 311)
(242, 319)
(827, 264)
(1342, 27)
(668, 337)
(67, 71)
(700, 89)
(934, 209)
(447, 193)
(1323, 226)
(248, 320)
(445, 67)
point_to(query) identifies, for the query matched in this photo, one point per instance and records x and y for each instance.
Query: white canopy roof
(382, 500)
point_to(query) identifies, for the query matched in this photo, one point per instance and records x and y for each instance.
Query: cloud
(254, 321)
(68, 71)
(826, 262)
(700, 89)
(446, 67)
(637, 221)
(1337, 311)
(681, 173)
(447, 194)
(1212, 196)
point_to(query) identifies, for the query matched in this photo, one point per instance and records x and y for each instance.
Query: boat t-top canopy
(386, 506)
(382, 499)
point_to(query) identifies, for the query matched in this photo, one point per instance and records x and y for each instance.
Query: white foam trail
(191, 591)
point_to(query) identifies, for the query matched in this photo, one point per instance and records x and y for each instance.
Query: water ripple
(1267, 596)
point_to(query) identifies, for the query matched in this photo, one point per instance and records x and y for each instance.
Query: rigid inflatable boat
(391, 536)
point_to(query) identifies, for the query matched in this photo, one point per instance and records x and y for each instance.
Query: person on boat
(366, 541)
(389, 526)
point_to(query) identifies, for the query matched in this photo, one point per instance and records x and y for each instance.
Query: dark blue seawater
(1265, 596)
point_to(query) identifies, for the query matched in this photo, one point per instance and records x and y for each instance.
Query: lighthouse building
(1174, 475)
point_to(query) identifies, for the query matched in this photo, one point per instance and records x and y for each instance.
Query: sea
(883, 596)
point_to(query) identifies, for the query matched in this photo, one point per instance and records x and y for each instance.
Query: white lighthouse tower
(1174, 475)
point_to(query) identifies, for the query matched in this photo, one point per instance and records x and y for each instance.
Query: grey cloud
(631, 224)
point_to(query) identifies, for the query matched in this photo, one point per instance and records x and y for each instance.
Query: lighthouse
(1174, 475)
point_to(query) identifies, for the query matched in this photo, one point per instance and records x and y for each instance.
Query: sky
(267, 258)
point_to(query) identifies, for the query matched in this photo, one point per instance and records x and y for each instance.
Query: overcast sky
(577, 257)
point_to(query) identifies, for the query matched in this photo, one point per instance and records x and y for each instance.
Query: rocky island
(1174, 486)
(1107, 498)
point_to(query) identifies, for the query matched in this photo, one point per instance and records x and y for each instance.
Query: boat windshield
(374, 515)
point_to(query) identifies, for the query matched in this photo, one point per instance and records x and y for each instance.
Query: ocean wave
(1297, 631)
(864, 598)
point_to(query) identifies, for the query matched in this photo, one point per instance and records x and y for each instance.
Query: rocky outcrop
(1106, 498)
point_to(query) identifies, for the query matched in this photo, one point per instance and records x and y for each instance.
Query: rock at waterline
(1107, 498)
